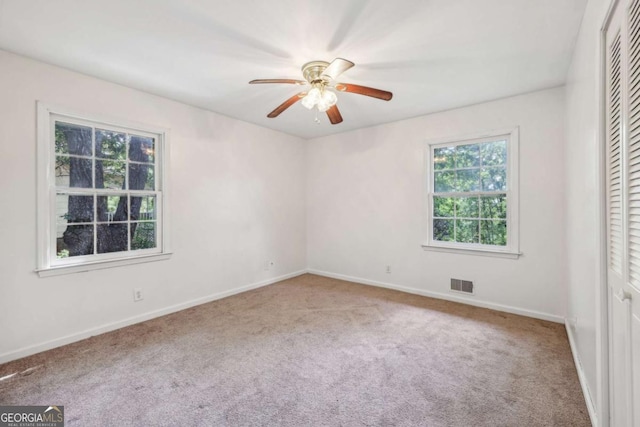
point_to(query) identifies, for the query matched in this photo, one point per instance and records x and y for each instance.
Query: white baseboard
(439, 295)
(593, 414)
(48, 345)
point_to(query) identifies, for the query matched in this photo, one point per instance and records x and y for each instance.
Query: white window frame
(511, 250)
(47, 262)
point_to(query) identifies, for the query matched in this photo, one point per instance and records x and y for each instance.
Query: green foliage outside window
(467, 217)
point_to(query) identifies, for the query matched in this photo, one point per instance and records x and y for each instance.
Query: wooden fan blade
(334, 115)
(363, 90)
(288, 81)
(286, 104)
(337, 67)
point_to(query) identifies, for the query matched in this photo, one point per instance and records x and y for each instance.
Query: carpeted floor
(312, 351)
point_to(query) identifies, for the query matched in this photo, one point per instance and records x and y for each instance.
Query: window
(101, 192)
(472, 195)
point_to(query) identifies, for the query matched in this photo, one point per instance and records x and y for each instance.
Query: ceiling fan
(321, 76)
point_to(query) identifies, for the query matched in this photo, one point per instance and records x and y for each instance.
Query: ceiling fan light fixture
(327, 100)
(321, 98)
(322, 107)
(312, 98)
(306, 103)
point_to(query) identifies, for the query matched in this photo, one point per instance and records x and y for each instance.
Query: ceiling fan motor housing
(312, 71)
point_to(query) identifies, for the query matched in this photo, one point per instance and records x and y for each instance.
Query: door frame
(603, 312)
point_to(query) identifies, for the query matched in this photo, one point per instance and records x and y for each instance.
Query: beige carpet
(312, 351)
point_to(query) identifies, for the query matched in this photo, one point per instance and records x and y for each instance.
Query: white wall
(365, 195)
(347, 204)
(237, 200)
(582, 202)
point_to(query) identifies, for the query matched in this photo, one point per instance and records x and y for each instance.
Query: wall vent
(465, 286)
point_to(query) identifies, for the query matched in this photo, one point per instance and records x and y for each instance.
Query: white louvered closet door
(622, 106)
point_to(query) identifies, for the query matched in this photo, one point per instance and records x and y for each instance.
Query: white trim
(117, 122)
(43, 177)
(487, 134)
(473, 251)
(602, 332)
(101, 264)
(512, 250)
(593, 413)
(438, 295)
(602, 413)
(48, 345)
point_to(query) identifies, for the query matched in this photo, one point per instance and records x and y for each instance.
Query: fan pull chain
(316, 119)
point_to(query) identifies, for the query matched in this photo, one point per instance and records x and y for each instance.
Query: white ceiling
(432, 54)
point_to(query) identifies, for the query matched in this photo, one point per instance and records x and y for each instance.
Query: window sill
(473, 251)
(98, 265)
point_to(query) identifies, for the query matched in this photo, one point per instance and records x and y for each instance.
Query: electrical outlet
(388, 269)
(272, 264)
(137, 294)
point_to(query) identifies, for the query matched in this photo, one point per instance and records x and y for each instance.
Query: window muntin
(100, 192)
(471, 194)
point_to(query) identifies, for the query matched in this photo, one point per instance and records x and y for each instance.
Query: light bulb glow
(312, 98)
(329, 97)
(319, 97)
(327, 100)
(307, 102)
(323, 106)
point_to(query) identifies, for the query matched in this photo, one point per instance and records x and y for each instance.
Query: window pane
(111, 145)
(494, 207)
(74, 172)
(141, 177)
(61, 214)
(443, 230)
(143, 235)
(467, 156)
(467, 207)
(494, 179)
(445, 181)
(150, 184)
(467, 231)
(73, 209)
(63, 170)
(141, 149)
(494, 153)
(493, 232)
(444, 158)
(112, 238)
(73, 139)
(443, 206)
(75, 240)
(110, 174)
(143, 208)
(468, 180)
(112, 208)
